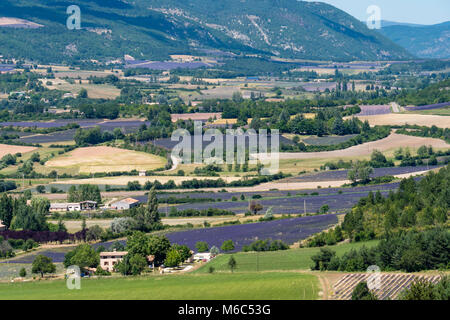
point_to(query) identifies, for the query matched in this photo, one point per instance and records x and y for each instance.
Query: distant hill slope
(153, 29)
(422, 41)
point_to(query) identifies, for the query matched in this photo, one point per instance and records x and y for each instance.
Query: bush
(202, 246)
(23, 273)
(227, 245)
(362, 292)
(265, 245)
(101, 272)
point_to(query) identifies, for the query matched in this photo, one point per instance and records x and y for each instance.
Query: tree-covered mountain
(422, 41)
(153, 29)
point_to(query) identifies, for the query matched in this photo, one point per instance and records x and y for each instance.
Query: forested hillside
(154, 29)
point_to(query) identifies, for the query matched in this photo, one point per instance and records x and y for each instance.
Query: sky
(410, 11)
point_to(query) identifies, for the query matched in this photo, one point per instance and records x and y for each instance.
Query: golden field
(10, 149)
(105, 159)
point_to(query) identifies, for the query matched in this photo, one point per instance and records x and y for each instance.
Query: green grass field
(295, 259)
(436, 112)
(238, 286)
(10, 271)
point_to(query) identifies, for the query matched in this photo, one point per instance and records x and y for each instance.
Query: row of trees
(16, 214)
(84, 192)
(93, 136)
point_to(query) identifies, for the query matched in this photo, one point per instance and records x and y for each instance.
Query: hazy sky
(412, 11)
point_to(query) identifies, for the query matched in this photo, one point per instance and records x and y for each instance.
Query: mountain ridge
(155, 29)
(426, 41)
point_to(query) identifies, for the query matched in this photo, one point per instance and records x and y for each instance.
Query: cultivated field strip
(392, 284)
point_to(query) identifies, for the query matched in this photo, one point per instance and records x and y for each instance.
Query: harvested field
(389, 143)
(6, 149)
(402, 119)
(106, 159)
(95, 91)
(195, 116)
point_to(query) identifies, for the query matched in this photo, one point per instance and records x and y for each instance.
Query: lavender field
(328, 141)
(374, 110)
(57, 255)
(168, 144)
(84, 123)
(318, 86)
(285, 205)
(428, 107)
(287, 230)
(342, 174)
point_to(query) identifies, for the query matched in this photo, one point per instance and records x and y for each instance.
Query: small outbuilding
(88, 205)
(65, 207)
(204, 256)
(125, 204)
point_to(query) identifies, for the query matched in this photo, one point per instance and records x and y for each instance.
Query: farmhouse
(109, 259)
(125, 204)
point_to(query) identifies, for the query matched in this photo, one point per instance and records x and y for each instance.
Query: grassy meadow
(294, 259)
(237, 286)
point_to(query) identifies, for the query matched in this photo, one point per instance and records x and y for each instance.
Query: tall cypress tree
(6, 210)
(152, 213)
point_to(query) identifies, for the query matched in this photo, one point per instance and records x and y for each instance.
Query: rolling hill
(155, 29)
(421, 40)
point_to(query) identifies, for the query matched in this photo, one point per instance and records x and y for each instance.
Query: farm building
(125, 204)
(76, 206)
(205, 256)
(65, 207)
(88, 205)
(109, 259)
